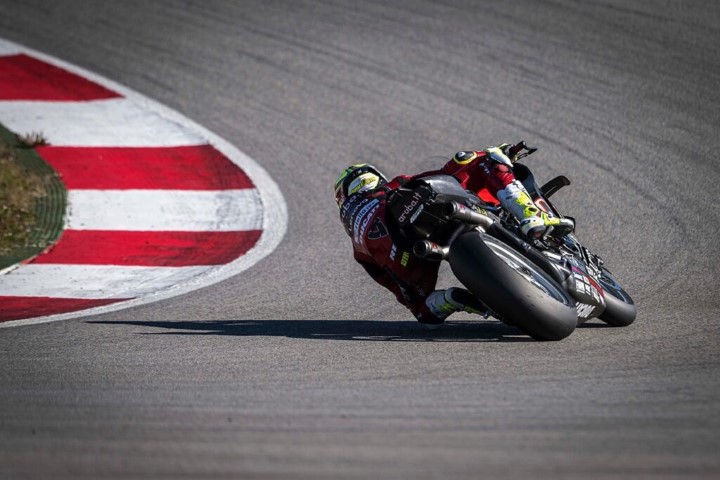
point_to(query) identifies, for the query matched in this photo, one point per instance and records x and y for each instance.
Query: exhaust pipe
(430, 250)
(458, 211)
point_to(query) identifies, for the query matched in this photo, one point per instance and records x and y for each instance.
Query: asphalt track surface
(302, 368)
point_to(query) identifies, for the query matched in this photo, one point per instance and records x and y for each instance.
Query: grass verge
(33, 199)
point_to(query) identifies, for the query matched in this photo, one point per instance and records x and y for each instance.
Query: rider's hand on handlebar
(513, 152)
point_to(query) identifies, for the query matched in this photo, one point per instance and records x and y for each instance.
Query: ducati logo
(377, 230)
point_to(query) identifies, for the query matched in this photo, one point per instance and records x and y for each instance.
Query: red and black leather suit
(389, 260)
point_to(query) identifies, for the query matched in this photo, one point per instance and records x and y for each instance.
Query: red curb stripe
(18, 308)
(26, 78)
(149, 249)
(199, 167)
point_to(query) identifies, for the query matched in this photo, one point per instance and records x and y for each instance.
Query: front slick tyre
(513, 287)
(620, 310)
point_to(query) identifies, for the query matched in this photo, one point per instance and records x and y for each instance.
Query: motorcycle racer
(362, 193)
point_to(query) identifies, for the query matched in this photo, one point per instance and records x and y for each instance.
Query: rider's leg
(515, 198)
(533, 220)
(440, 304)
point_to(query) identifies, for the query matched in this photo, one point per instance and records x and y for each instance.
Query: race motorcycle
(545, 286)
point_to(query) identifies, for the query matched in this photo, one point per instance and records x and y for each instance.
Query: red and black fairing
(588, 292)
(585, 288)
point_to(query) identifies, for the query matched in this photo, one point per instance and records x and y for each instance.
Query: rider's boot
(442, 303)
(534, 222)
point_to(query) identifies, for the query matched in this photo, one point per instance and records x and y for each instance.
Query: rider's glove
(495, 154)
(505, 148)
(513, 152)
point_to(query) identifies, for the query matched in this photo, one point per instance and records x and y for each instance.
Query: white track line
(7, 48)
(165, 210)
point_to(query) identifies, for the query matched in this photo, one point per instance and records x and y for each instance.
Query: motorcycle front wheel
(519, 291)
(620, 310)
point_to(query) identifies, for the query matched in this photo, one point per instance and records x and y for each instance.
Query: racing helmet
(358, 178)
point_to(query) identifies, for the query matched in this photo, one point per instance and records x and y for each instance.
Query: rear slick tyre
(513, 287)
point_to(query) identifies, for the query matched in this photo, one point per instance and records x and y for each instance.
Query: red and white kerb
(158, 205)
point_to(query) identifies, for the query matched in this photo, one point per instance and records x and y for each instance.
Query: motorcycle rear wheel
(519, 291)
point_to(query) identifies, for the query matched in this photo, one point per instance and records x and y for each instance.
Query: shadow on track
(365, 330)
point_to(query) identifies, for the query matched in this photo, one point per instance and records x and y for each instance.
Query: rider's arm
(462, 164)
(476, 171)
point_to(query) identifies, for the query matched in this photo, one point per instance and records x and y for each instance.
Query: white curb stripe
(165, 210)
(93, 281)
(7, 48)
(116, 122)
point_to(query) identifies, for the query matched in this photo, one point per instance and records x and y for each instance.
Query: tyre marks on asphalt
(155, 200)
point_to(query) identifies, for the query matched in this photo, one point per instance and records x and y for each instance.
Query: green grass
(32, 199)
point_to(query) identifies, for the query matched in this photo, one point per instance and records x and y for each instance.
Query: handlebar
(514, 151)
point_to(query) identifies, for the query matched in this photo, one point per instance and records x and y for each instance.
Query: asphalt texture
(301, 367)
